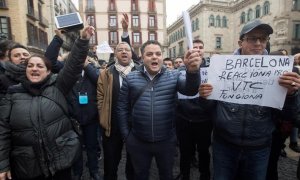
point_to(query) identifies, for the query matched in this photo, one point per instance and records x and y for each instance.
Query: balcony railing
(152, 28)
(152, 11)
(90, 9)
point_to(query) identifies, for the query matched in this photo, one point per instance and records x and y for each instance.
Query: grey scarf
(14, 71)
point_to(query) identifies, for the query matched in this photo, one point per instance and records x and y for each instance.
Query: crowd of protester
(56, 107)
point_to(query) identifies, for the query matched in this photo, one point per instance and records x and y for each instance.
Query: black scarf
(14, 71)
(36, 89)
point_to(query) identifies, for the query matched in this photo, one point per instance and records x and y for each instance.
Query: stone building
(146, 17)
(25, 22)
(31, 22)
(218, 23)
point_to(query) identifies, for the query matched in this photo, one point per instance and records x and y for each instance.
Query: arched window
(257, 11)
(250, 15)
(224, 21)
(211, 20)
(243, 18)
(266, 8)
(218, 21)
(197, 24)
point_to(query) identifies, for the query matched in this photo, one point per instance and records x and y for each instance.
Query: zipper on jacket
(151, 94)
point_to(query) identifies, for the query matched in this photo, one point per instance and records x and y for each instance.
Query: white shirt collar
(149, 75)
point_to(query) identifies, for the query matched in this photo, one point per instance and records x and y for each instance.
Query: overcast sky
(175, 8)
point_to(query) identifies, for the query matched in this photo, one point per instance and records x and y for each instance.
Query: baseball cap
(255, 24)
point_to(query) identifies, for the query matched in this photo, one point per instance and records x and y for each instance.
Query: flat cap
(255, 24)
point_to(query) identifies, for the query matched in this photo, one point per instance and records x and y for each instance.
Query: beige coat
(104, 99)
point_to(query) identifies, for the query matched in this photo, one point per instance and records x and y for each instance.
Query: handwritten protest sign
(203, 76)
(104, 48)
(249, 79)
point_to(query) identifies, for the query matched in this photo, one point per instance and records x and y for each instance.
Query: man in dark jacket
(14, 69)
(242, 132)
(82, 106)
(108, 87)
(147, 100)
(109, 84)
(194, 126)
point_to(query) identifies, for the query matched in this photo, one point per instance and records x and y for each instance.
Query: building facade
(219, 22)
(147, 20)
(31, 22)
(25, 22)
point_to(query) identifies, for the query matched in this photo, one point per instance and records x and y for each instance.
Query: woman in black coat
(37, 140)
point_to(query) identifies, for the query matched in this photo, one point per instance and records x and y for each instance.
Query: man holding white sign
(243, 125)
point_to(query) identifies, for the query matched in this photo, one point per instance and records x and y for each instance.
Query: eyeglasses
(121, 50)
(178, 62)
(253, 39)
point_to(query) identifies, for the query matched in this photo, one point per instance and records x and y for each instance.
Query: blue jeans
(233, 162)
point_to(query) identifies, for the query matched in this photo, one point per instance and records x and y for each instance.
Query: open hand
(125, 22)
(87, 32)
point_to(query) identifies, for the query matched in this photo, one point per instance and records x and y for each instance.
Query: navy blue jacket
(152, 115)
(84, 113)
(52, 53)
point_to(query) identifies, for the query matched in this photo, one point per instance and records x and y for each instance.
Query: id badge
(83, 98)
